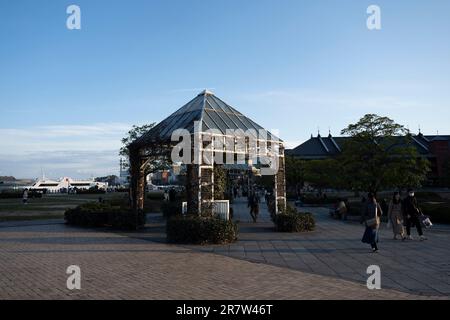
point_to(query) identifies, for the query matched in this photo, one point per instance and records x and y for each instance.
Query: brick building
(436, 148)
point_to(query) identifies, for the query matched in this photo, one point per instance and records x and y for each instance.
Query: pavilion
(207, 119)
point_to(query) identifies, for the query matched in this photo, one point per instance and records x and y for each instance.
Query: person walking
(172, 194)
(25, 197)
(253, 204)
(371, 217)
(411, 215)
(395, 216)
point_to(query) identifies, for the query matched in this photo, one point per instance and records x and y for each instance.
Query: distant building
(111, 180)
(435, 148)
(124, 172)
(11, 183)
(165, 177)
(65, 184)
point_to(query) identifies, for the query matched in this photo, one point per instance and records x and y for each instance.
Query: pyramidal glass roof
(207, 108)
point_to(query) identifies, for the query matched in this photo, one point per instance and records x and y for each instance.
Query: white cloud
(62, 150)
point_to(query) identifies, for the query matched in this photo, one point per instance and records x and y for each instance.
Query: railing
(221, 208)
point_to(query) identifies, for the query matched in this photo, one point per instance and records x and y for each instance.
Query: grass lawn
(48, 207)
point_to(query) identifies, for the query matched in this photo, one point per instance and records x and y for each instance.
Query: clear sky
(68, 96)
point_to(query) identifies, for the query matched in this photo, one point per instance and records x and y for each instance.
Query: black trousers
(413, 220)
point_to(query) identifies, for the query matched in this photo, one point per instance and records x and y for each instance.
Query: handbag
(372, 223)
(425, 220)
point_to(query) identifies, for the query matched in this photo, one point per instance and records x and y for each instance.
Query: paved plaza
(335, 249)
(329, 263)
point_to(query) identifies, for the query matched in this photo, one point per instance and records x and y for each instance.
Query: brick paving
(34, 258)
(335, 249)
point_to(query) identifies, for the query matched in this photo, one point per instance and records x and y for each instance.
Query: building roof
(324, 147)
(212, 112)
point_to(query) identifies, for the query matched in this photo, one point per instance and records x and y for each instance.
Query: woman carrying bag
(395, 216)
(371, 217)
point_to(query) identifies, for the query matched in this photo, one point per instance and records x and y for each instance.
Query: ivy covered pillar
(280, 183)
(134, 169)
(137, 188)
(193, 189)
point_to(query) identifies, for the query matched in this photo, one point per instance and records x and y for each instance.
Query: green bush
(153, 205)
(118, 202)
(155, 195)
(19, 194)
(91, 191)
(200, 230)
(95, 214)
(293, 221)
(170, 209)
(309, 199)
(291, 195)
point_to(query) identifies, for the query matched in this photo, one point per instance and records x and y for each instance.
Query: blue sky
(68, 96)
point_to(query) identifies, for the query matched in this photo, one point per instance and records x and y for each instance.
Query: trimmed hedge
(19, 195)
(94, 214)
(192, 229)
(294, 221)
(155, 195)
(170, 209)
(91, 191)
(308, 199)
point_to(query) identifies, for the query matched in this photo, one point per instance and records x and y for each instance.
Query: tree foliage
(295, 172)
(445, 180)
(322, 173)
(133, 134)
(380, 155)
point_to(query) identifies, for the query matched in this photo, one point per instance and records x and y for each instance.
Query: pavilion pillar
(141, 187)
(193, 189)
(280, 183)
(137, 180)
(207, 189)
(134, 163)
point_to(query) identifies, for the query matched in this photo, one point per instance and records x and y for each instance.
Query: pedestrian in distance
(411, 215)
(25, 197)
(395, 216)
(371, 217)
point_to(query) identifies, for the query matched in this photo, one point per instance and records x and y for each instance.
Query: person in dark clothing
(411, 215)
(172, 195)
(253, 204)
(371, 217)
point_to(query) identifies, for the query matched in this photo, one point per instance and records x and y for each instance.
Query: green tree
(445, 180)
(295, 172)
(322, 173)
(380, 155)
(135, 133)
